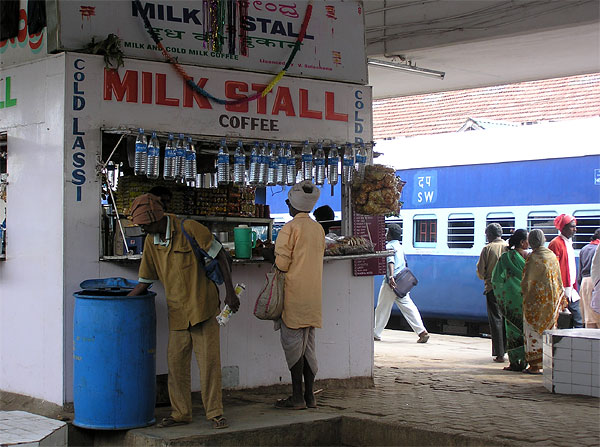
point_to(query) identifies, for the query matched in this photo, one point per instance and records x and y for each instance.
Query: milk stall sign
(256, 36)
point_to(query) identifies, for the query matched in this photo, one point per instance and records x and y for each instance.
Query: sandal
(219, 422)
(528, 371)
(170, 422)
(289, 404)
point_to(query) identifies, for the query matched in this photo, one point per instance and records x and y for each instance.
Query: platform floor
(445, 392)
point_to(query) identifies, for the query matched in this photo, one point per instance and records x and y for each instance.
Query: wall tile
(584, 344)
(563, 354)
(562, 388)
(581, 367)
(580, 389)
(563, 377)
(581, 379)
(581, 356)
(562, 365)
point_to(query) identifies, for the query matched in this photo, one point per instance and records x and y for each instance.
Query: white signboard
(333, 47)
(23, 47)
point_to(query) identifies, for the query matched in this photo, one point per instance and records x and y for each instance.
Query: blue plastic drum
(114, 356)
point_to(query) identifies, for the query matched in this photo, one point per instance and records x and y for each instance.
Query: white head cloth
(304, 195)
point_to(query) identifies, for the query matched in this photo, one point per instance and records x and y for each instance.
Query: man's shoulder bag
(405, 281)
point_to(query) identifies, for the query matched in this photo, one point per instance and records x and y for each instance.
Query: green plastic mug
(245, 240)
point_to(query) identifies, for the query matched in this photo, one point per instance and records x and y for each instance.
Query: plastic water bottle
(239, 165)
(273, 160)
(333, 160)
(191, 168)
(223, 175)
(348, 164)
(319, 161)
(361, 162)
(180, 157)
(254, 164)
(291, 165)
(141, 153)
(226, 313)
(152, 169)
(264, 164)
(281, 165)
(169, 166)
(307, 162)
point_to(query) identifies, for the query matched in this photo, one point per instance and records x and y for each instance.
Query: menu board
(373, 228)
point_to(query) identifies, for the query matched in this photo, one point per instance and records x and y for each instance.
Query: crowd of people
(530, 288)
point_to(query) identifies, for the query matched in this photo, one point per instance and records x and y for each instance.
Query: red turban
(562, 220)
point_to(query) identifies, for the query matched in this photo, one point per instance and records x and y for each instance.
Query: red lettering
(261, 102)
(305, 112)
(146, 87)
(283, 101)
(330, 113)
(231, 88)
(190, 95)
(127, 88)
(23, 31)
(161, 92)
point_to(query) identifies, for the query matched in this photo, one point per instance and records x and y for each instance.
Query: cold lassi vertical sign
(6, 100)
(78, 177)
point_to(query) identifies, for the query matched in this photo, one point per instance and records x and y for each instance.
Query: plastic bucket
(114, 357)
(245, 240)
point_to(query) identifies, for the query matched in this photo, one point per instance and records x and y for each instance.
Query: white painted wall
(31, 279)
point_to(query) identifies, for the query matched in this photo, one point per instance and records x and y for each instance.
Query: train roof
(572, 138)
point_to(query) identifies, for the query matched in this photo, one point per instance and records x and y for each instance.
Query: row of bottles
(269, 164)
(179, 161)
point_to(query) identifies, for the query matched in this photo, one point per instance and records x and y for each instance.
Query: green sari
(506, 281)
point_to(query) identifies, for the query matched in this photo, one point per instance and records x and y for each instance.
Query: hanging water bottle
(307, 162)
(361, 162)
(319, 161)
(169, 165)
(282, 165)
(272, 172)
(141, 153)
(191, 168)
(239, 165)
(264, 164)
(152, 169)
(348, 164)
(254, 164)
(291, 165)
(223, 175)
(333, 160)
(180, 157)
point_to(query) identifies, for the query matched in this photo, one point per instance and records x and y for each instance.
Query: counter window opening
(543, 220)
(505, 220)
(461, 231)
(587, 222)
(425, 231)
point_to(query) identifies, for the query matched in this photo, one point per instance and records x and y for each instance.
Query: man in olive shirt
(192, 301)
(485, 266)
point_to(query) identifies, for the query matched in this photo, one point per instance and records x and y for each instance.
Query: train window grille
(587, 223)
(505, 220)
(543, 220)
(461, 231)
(425, 232)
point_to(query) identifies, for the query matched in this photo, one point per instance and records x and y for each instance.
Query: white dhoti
(297, 343)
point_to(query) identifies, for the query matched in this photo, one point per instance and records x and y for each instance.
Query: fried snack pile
(379, 193)
(347, 245)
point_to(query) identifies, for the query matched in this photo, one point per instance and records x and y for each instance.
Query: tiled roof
(535, 101)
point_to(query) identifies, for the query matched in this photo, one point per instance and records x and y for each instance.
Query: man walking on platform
(485, 266)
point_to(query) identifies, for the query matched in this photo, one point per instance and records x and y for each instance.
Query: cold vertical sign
(78, 177)
(424, 188)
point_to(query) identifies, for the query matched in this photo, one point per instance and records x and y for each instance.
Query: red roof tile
(546, 100)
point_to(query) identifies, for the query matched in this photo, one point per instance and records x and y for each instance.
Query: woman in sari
(542, 298)
(506, 280)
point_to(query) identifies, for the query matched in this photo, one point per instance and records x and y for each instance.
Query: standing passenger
(542, 298)
(506, 279)
(299, 250)
(562, 246)
(584, 281)
(385, 301)
(192, 302)
(485, 266)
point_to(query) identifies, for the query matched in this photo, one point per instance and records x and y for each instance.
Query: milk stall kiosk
(74, 94)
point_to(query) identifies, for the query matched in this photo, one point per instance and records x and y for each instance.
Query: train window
(587, 223)
(461, 231)
(543, 220)
(425, 231)
(397, 222)
(506, 221)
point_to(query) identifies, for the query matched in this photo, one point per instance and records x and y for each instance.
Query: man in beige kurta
(299, 252)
